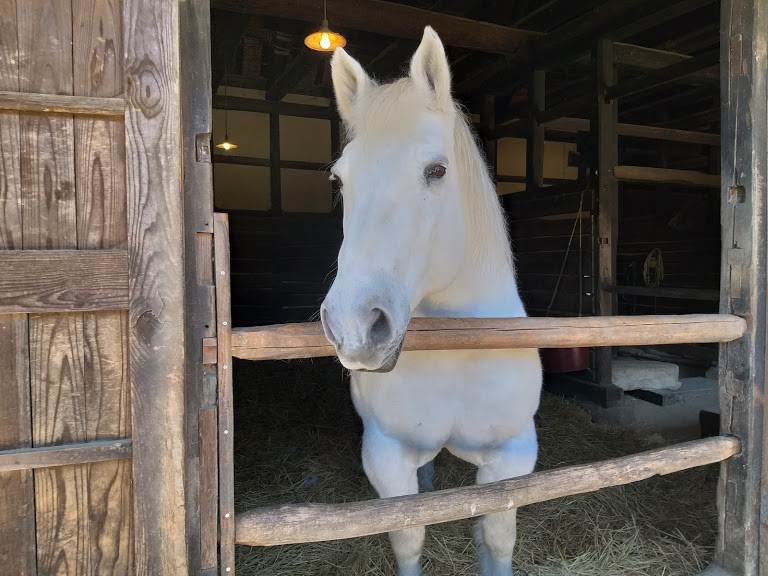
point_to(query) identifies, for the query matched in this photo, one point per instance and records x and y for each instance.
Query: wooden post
(200, 319)
(606, 118)
(156, 322)
(534, 157)
(743, 532)
(275, 184)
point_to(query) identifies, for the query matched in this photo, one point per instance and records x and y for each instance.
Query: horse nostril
(381, 329)
(330, 336)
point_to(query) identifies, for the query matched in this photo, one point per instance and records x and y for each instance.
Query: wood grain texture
(307, 340)
(102, 225)
(156, 318)
(200, 318)
(225, 400)
(209, 488)
(63, 280)
(294, 523)
(68, 454)
(62, 104)
(17, 514)
(742, 494)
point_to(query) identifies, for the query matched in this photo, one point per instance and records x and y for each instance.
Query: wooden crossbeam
(392, 19)
(63, 280)
(298, 523)
(653, 175)
(62, 104)
(64, 455)
(307, 340)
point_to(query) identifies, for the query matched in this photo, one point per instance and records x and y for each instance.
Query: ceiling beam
(641, 58)
(390, 19)
(293, 73)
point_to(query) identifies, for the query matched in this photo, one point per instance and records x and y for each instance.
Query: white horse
(424, 235)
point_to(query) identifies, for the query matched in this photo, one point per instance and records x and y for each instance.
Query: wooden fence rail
(306, 340)
(298, 523)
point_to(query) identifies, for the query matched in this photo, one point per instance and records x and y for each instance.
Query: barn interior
(555, 89)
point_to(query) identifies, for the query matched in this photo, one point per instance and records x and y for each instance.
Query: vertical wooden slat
(226, 408)
(55, 340)
(608, 197)
(742, 546)
(534, 158)
(275, 175)
(101, 224)
(200, 320)
(156, 254)
(17, 514)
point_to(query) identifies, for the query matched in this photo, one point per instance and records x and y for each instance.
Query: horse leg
(495, 534)
(391, 469)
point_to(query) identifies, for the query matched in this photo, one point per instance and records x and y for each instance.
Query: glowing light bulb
(325, 41)
(226, 146)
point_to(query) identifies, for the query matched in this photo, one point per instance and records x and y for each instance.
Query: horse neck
(486, 285)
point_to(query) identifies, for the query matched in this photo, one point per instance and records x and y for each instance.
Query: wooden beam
(666, 176)
(640, 57)
(63, 280)
(64, 455)
(653, 19)
(606, 133)
(156, 320)
(292, 73)
(664, 75)
(265, 162)
(742, 496)
(299, 523)
(282, 108)
(226, 407)
(62, 104)
(638, 131)
(307, 340)
(391, 19)
(275, 175)
(534, 157)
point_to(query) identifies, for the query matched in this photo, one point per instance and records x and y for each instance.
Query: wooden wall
(93, 365)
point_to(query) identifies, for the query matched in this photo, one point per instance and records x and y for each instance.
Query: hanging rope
(653, 268)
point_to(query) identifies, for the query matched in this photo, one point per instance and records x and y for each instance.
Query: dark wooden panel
(157, 308)
(63, 280)
(17, 514)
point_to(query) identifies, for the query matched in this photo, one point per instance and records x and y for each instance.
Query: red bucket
(556, 360)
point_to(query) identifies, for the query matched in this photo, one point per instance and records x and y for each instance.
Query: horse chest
(461, 397)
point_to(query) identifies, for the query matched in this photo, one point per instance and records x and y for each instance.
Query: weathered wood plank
(156, 255)
(393, 19)
(65, 455)
(17, 514)
(651, 174)
(639, 131)
(62, 104)
(55, 341)
(225, 400)
(293, 523)
(209, 488)
(742, 496)
(200, 319)
(63, 280)
(307, 340)
(102, 225)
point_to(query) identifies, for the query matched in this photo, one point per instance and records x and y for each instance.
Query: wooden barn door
(105, 283)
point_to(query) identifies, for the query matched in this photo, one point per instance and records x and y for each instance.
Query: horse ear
(430, 69)
(350, 81)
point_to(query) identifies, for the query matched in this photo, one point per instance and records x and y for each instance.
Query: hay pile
(297, 439)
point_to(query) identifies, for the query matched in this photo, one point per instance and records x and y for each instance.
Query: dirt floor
(297, 439)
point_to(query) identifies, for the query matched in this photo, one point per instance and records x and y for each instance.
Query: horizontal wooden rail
(638, 131)
(63, 280)
(49, 456)
(62, 104)
(306, 340)
(652, 175)
(295, 523)
(668, 292)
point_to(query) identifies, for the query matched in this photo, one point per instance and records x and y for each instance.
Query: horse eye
(435, 171)
(336, 183)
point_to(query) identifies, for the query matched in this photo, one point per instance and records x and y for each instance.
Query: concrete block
(635, 374)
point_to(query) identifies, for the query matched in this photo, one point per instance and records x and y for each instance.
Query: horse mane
(389, 108)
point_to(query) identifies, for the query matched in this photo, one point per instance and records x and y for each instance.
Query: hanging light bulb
(324, 40)
(226, 144)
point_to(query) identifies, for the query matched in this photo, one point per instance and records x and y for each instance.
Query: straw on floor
(297, 439)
